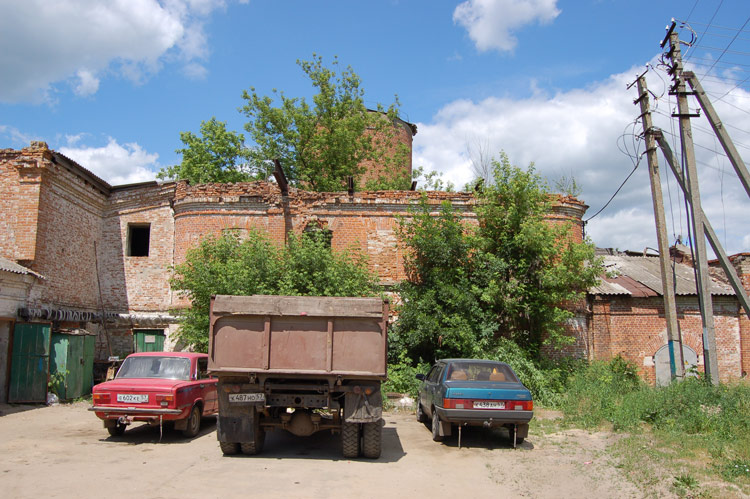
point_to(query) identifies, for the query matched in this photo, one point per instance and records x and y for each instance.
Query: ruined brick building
(75, 250)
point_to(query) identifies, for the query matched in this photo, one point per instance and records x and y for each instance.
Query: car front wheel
(436, 436)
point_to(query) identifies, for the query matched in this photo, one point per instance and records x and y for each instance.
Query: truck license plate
(132, 398)
(488, 405)
(247, 397)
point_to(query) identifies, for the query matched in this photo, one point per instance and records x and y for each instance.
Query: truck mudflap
(363, 408)
(239, 426)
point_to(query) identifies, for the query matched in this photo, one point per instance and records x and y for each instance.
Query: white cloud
(115, 163)
(491, 23)
(577, 132)
(88, 83)
(80, 41)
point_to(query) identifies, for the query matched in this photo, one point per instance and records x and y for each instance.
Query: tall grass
(612, 392)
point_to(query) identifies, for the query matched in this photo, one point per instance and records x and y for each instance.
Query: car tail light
(509, 405)
(164, 400)
(101, 398)
(521, 405)
(458, 403)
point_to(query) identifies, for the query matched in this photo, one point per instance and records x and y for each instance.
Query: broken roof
(11, 266)
(641, 277)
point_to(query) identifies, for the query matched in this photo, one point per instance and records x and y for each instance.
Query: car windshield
(155, 367)
(480, 371)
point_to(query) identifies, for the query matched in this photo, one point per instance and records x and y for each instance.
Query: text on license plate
(488, 405)
(132, 398)
(247, 397)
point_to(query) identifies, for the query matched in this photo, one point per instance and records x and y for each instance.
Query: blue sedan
(461, 392)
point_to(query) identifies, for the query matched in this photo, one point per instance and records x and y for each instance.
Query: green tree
(321, 144)
(513, 276)
(540, 270)
(217, 155)
(233, 265)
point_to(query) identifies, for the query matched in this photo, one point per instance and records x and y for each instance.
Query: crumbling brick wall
(635, 329)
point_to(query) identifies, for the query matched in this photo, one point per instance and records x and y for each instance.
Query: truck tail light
(101, 398)
(164, 400)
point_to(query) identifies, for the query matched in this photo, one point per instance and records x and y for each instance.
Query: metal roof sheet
(11, 266)
(641, 276)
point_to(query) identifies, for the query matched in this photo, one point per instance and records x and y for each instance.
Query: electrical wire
(635, 158)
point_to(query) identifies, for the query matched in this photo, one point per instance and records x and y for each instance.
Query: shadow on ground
(280, 444)
(482, 438)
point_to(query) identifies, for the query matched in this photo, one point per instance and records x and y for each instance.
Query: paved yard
(63, 451)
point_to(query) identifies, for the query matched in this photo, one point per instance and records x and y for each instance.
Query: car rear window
(155, 367)
(480, 371)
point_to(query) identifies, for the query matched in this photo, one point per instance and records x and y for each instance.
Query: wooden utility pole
(674, 341)
(710, 363)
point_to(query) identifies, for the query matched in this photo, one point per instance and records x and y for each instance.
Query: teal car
(472, 392)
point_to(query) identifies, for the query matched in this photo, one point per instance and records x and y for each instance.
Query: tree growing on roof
(217, 155)
(322, 143)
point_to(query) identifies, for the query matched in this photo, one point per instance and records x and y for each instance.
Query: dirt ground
(63, 451)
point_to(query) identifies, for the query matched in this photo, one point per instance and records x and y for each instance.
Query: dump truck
(302, 364)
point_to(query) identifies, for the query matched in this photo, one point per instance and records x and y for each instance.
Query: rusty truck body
(299, 363)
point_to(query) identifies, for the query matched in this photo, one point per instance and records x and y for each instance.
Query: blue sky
(111, 84)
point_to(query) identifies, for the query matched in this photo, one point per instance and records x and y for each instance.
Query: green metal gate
(73, 358)
(29, 363)
(148, 340)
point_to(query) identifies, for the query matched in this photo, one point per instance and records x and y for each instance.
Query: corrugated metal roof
(11, 266)
(641, 277)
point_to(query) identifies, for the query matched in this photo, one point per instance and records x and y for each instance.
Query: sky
(112, 84)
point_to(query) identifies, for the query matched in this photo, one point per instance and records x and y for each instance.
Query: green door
(29, 363)
(148, 340)
(72, 364)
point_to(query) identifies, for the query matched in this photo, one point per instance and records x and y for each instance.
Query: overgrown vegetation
(235, 265)
(681, 426)
(501, 287)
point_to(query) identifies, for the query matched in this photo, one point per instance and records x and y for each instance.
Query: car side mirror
(420, 377)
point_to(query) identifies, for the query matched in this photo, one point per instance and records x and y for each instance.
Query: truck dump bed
(298, 335)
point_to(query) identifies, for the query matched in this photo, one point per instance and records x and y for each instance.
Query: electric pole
(674, 341)
(710, 363)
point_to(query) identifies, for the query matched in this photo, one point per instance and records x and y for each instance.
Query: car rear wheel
(372, 435)
(229, 448)
(519, 440)
(117, 430)
(350, 440)
(193, 422)
(436, 436)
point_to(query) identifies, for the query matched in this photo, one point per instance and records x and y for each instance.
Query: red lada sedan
(156, 387)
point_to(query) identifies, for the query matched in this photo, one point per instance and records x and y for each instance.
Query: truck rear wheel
(350, 439)
(256, 446)
(371, 439)
(229, 448)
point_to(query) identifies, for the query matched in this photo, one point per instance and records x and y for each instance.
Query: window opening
(138, 239)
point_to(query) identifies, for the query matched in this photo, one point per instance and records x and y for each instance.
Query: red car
(156, 387)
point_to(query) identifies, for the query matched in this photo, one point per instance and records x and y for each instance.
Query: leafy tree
(218, 155)
(254, 265)
(511, 276)
(540, 269)
(321, 144)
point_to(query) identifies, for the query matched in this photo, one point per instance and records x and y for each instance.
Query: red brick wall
(138, 283)
(742, 265)
(635, 329)
(20, 181)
